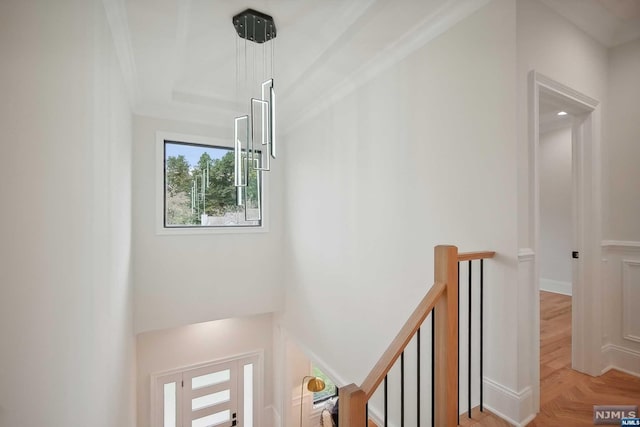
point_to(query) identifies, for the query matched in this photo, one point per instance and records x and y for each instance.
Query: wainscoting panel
(621, 296)
(631, 300)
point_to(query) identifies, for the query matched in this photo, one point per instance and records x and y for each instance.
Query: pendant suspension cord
(273, 49)
(245, 54)
(237, 95)
(264, 55)
(244, 161)
(253, 79)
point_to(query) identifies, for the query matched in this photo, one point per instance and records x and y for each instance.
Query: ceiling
(550, 104)
(611, 22)
(180, 55)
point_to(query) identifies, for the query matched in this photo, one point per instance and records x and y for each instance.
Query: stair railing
(441, 304)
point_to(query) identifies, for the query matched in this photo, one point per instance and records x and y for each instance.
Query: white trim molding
(526, 254)
(622, 359)
(429, 28)
(621, 244)
(116, 12)
(555, 286)
(276, 418)
(587, 207)
(630, 290)
(514, 407)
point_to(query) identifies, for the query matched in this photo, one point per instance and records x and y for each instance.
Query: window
(198, 187)
(330, 389)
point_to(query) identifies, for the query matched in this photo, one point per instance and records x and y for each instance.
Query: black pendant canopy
(255, 26)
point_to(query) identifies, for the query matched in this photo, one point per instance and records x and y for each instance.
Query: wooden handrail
(400, 342)
(470, 256)
(443, 297)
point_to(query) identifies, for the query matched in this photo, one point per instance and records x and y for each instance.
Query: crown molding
(117, 18)
(554, 86)
(219, 123)
(435, 24)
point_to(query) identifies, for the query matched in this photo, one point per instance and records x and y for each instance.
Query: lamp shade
(315, 384)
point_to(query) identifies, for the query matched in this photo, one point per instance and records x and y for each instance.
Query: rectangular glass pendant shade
(241, 143)
(259, 131)
(250, 132)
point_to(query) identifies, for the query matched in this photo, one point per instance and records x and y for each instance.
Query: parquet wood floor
(567, 396)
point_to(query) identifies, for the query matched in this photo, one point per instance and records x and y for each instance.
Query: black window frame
(166, 141)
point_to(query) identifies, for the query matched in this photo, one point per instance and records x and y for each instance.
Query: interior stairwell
(428, 395)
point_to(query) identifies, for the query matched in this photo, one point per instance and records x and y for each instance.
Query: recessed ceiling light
(562, 113)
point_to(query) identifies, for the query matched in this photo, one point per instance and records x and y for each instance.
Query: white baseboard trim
(555, 286)
(375, 415)
(514, 407)
(623, 359)
(276, 419)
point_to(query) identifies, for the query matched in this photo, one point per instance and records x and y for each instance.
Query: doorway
(220, 393)
(578, 246)
(557, 234)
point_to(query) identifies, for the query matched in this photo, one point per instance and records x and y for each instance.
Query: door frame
(155, 399)
(586, 313)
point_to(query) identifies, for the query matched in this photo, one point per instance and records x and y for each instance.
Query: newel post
(446, 337)
(352, 410)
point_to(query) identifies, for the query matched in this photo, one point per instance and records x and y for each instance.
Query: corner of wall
(515, 407)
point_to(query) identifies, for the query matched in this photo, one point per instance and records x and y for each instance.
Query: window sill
(190, 231)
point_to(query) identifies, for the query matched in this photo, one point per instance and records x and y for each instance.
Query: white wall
(555, 211)
(621, 281)
(297, 366)
(551, 45)
(68, 353)
(622, 129)
(423, 154)
(183, 279)
(160, 351)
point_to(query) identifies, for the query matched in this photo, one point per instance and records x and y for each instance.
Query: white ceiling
(180, 55)
(550, 104)
(611, 22)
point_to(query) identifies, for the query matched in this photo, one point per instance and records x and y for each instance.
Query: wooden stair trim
(402, 339)
(470, 256)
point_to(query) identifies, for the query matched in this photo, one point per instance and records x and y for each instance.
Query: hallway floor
(567, 396)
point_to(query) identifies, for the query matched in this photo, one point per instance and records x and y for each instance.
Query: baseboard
(276, 419)
(376, 416)
(555, 286)
(623, 359)
(514, 407)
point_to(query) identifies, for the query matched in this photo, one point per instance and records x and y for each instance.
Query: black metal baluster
(458, 404)
(469, 350)
(433, 367)
(418, 378)
(402, 389)
(386, 417)
(366, 409)
(481, 327)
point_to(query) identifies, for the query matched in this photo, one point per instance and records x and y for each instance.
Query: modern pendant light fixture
(255, 132)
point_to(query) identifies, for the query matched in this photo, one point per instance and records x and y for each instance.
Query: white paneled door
(213, 395)
(210, 396)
